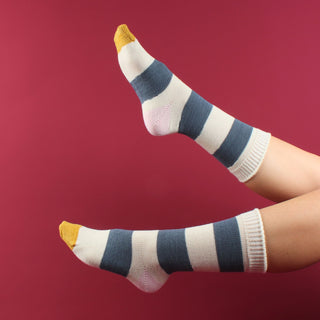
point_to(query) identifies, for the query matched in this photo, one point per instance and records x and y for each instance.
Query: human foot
(170, 106)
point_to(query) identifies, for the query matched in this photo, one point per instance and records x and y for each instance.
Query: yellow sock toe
(69, 233)
(123, 36)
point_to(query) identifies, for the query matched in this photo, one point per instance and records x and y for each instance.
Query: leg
(276, 170)
(292, 231)
(147, 258)
(285, 239)
(286, 172)
(170, 106)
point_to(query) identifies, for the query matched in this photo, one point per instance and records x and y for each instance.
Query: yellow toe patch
(123, 36)
(69, 233)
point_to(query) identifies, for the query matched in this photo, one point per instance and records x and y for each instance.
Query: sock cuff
(250, 160)
(254, 242)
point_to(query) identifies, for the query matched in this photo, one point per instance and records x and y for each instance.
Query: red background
(73, 147)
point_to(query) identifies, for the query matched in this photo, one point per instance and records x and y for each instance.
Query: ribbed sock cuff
(251, 158)
(254, 246)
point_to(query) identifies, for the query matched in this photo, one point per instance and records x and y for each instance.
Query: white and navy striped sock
(147, 258)
(170, 106)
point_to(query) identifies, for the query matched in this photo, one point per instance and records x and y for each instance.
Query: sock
(147, 258)
(170, 106)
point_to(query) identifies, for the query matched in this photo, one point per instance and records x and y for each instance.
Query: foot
(130, 254)
(162, 95)
(147, 258)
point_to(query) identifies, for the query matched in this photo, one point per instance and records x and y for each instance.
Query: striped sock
(170, 106)
(147, 258)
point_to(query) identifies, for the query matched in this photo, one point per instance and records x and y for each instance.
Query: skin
(286, 172)
(292, 232)
(292, 227)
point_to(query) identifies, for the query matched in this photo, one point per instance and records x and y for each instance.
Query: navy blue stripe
(234, 144)
(194, 115)
(228, 245)
(118, 253)
(152, 81)
(172, 251)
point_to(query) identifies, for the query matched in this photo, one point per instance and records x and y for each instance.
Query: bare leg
(286, 172)
(292, 230)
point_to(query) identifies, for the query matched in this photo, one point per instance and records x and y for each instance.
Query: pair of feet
(169, 106)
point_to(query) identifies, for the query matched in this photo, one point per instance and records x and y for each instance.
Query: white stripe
(252, 156)
(215, 130)
(244, 244)
(145, 271)
(133, 60)
(167, 106)
(90, 245)
(202, 248)
(255, 241)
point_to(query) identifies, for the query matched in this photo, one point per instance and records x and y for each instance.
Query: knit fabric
(147, 258)
(170, 106)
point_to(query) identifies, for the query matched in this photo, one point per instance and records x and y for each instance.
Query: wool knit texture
(147, 258)
(170, 106)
